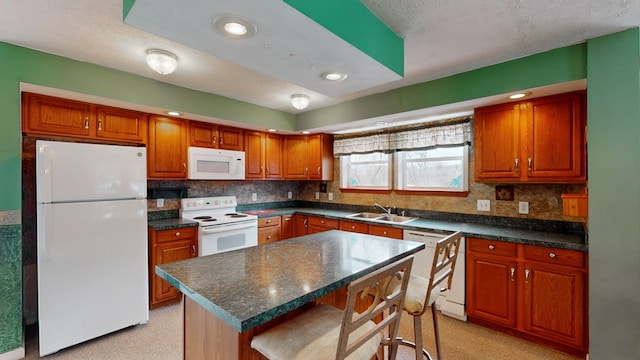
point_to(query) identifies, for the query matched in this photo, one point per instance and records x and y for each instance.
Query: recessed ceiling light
(272, 130)
(381, 123)
(235, 27)
(173, 113)
(519, 95)
(334, 76)
(306, 132)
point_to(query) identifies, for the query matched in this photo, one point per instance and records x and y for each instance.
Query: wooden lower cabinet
(534, 292)
(300, 225)
(354, 226)
(268, 229)
(286, 227)
(318, 224)
(167, 246)
(386, 231)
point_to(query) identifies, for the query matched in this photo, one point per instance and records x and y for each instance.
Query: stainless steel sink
(366, 215)
(382, 218)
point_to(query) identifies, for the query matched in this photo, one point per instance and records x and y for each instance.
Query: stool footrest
(413, 345)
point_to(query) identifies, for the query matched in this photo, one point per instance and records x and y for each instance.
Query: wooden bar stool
(423, 292)
(325, 332)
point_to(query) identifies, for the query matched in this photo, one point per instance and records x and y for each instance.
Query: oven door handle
(229, 227)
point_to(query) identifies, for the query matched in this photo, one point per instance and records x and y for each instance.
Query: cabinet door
(555, 139)
(120, 124)
(230, 138)
(254, 154)
(273, 156)
(51, 115)
(300, 225)
(167, 148)
(203, 134)
(166, 253)
(497, 142)
(321, 157)
(295, 157)
(491, 288)
(354, 226)
(554, 303)
(287, 227)
(386, 231)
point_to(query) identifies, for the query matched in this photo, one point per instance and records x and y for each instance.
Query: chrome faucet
(387, 210)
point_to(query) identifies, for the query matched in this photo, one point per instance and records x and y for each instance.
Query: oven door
(220, 238)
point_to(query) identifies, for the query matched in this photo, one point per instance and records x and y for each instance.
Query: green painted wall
(614, 195)
(551, 67)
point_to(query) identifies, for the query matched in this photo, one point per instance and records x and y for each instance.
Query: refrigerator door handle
(44, 182)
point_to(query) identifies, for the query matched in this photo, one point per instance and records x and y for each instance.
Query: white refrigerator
(92, 241)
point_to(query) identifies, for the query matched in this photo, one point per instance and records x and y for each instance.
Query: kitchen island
(230, 297)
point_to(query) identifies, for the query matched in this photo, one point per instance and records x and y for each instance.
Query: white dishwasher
(450, 302)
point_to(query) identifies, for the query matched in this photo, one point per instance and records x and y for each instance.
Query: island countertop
(249, 287)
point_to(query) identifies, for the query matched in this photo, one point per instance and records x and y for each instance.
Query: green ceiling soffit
(357, 25)
(126, 7)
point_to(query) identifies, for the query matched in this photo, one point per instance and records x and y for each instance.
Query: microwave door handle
(219, 228)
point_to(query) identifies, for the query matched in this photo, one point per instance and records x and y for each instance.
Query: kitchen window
(436, 169)
(366, 171)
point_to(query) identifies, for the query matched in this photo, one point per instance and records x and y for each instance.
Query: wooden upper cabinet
(49, 115)
(541, 140)
(230, 138)
(167, 148)
(308, 157)
(263, 155)
(122, 124)
(321, 157)
(295, 156)
(202, 134)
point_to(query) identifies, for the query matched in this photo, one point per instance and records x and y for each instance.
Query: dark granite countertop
(173, 223)
(248, 287)
(553, 238)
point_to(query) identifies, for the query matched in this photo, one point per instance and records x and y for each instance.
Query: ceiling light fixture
(334, 76)
(381, 123)
(161, 61)
(234, 27)
(519, 95)
(299, 101)
(173, 113)
(306, 132)
(272, 130)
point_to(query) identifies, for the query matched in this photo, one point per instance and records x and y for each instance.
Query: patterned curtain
(453, 132)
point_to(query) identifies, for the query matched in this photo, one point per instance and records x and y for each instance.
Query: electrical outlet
(289, 195)
(484, 205)
(254, 197)
(317, 195)
(330, 196)
(523, 207)
(160, 203)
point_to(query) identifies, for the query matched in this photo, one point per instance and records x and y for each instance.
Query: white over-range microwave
(215, 164)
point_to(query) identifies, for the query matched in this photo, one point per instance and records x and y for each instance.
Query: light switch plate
(289, 195)
(254, 197)
(330, 196)
(160, 203)
(484, 205)
(523, 207)
(317, 196)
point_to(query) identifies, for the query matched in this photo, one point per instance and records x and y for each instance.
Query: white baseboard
(13, 354)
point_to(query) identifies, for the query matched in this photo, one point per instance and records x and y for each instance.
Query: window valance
(458, 133)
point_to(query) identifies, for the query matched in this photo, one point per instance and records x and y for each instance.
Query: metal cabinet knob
(552, 255)
(178, 233)
(491, 247)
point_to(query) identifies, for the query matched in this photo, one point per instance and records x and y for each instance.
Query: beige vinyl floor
(161, 339)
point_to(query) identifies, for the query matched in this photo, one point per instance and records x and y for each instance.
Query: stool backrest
(374, 285)
(444, 263)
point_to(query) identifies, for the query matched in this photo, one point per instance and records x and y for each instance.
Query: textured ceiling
(442, 37)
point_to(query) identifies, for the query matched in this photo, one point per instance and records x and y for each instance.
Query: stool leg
(417, 332)
(435, 330)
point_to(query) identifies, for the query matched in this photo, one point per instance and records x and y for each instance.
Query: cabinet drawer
(354, 227)
(324, 222)
(268, 234)
(385, 231)
(177, 234)
(269, 221)
(565, 257)
(494, 247)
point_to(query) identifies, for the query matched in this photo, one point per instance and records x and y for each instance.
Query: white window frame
(346, 170)
(400, 162)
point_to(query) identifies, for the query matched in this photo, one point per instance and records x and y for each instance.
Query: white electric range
(220, 228)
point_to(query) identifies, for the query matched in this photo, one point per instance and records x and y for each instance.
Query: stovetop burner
(203, 217)
(236, 215)
(208, 220)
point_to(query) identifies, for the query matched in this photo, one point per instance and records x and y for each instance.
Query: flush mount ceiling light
(235, 27)
(299, 101)
(173, 113)
(161, 61)
(333, 76)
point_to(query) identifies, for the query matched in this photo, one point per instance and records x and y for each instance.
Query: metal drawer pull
(529, 161)
(99, 124)
(491, 247)
(86, 123)
(526, 276)
(552, 255)
(513, 274)
(193, 250)
(178, 233)
(517, 163)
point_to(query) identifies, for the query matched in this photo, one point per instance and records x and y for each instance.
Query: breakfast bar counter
(230, 297)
